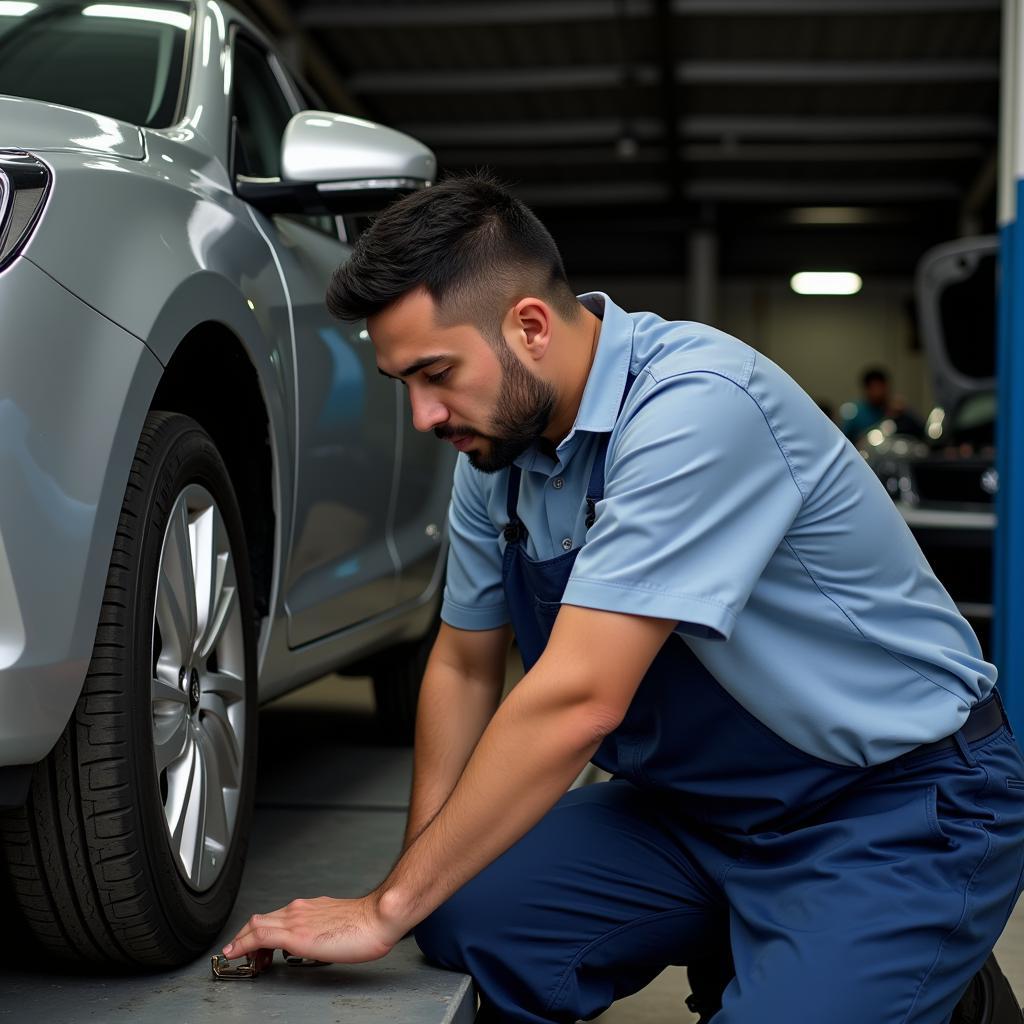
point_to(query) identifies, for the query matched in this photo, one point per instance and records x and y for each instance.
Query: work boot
(708, 979)
(988, 999)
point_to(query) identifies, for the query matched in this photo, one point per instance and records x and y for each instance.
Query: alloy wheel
(198, 687)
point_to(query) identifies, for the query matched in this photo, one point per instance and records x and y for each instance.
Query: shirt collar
(602, 396)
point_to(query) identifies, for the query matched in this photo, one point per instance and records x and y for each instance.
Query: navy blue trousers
(878, 908)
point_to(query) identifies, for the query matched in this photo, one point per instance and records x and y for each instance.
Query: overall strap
(515, 530)
(595, 489)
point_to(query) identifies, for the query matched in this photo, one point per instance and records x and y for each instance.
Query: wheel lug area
(193, 692)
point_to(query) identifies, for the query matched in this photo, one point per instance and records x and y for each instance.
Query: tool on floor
(224, 970)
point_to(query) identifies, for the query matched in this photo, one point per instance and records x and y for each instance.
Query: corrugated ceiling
(634, 120)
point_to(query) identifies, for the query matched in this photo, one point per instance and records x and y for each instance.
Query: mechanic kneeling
(717, 602)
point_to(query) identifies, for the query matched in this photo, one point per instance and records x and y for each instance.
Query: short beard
(523, 412)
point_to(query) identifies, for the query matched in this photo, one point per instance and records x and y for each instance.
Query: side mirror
(335, 164)
(956, 290)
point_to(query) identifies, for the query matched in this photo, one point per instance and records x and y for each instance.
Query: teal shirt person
(864, 417)
(876, 405)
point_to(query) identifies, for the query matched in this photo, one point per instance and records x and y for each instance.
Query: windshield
(120, 60)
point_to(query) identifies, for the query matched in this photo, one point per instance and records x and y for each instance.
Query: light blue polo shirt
(734, 507)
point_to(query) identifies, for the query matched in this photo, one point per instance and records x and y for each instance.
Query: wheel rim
(198, 687)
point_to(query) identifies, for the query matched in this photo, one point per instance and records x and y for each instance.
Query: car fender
(163, 245)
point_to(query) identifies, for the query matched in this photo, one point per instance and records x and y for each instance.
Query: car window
(968, 311)
(102, 58)
(976, 410)
(261, 113)
(975, 420)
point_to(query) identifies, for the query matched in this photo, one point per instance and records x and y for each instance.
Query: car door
(340, 569)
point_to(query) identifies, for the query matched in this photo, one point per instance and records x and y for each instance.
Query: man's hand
(338, 931)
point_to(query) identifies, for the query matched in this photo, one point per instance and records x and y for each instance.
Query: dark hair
(875, 373)
(473, 246)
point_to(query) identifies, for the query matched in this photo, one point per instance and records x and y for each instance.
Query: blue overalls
(848, 895)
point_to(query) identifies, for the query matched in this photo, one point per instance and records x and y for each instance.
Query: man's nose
(427, 413)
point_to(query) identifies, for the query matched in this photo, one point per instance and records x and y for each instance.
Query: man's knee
(441, 936)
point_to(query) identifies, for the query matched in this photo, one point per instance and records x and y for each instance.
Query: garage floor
(330, 812)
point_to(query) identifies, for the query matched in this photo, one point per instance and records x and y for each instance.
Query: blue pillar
(1008, 594)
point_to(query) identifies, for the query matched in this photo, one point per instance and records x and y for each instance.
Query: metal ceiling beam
(716, 190)
(696, 72)
(825, 152)
(901, 127)
(711, 152)
(596, 76)
(731, 128)
(840, 72)
(359, 14)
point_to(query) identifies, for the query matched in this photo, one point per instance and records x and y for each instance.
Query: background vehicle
(210, 494)
(945, 486)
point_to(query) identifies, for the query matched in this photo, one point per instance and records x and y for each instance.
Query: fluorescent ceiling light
(830, 215)
(176, 18)
(816, 282)
(15, 9)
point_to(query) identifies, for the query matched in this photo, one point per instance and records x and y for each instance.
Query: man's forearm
(528, 756)
(453, 713)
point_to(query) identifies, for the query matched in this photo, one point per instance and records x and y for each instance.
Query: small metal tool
(225, 970)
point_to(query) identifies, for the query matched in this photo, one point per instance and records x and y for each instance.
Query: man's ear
(529, 323)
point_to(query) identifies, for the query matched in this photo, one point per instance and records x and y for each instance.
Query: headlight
(24, 185)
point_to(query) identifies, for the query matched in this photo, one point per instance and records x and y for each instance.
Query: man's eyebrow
(420, 364)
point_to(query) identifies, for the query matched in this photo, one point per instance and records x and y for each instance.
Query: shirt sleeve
(474, 597)
(698, 496)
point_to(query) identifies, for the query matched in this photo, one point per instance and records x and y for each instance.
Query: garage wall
(823, 342)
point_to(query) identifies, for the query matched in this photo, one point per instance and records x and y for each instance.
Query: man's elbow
(595, 719)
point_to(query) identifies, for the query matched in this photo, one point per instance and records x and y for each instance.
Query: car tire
(92, 863)
(396, 687)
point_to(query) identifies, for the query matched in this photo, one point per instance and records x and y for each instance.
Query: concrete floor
(331, 803)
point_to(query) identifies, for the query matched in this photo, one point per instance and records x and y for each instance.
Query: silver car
(208, 493)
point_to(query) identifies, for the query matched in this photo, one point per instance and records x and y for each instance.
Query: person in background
(876, 404)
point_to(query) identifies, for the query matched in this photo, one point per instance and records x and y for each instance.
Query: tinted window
(968, 311)
(261, 113)
(110, 63)
(975, 420)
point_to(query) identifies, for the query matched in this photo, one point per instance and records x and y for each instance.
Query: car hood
(40, 127)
